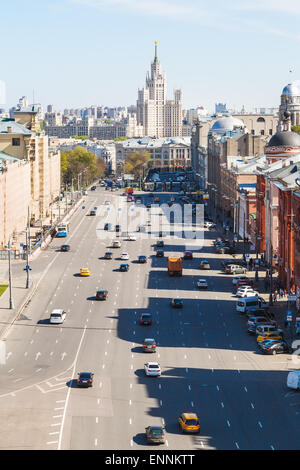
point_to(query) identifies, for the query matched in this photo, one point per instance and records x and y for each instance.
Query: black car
(65, 248)
(160, 254)
(93, 212)
(124, 267)
(148, 206)
(85, 379)
(118, 228)
(274, 347)
(108, 255)
(177, 303)
(155, 434)
(160, 243)
(146, 319)
(107, 226)
(142, 259)
(93, 188)
(101, 294)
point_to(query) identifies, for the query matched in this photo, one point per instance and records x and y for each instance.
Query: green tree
(296, 129)
(137, 162)
(79, 160)
(81, 137)
(119, 139)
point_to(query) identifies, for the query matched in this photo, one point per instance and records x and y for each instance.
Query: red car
(188, 255)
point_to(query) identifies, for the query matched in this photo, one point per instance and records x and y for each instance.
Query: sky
(76, 53)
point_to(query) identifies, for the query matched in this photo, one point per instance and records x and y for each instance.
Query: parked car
(272, 346)
(108, 255)
(142, 259)
(107, 226)
(188, 255)
(160, 253)
(93, 213)
(116, 244)
(235, 269)
(160, 243)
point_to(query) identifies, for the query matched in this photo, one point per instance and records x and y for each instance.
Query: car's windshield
(153, 366)
(192, 422)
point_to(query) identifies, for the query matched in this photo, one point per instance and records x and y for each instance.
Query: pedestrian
(274, 297)
(281, 292)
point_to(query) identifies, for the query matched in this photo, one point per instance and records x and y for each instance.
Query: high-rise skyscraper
(159, 117)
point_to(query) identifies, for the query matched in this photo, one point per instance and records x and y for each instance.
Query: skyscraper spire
(155, 57)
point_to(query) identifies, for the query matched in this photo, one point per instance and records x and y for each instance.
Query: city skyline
(96, 52)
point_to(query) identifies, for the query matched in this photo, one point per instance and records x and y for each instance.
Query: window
(260, 119)
(270, 131)
(262, 132)
(16, 142)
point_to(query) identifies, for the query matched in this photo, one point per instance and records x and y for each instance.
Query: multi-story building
(165, 152)
(159, 116)
(21, 138)
(290, 101)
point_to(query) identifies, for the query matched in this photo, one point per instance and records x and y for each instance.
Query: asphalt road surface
(210, 365)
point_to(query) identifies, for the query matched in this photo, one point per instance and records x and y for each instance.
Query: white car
(57, 316)
(243, 289)
(247, 293)
(131, 237)
(238, 278)
(152, 369)
(202, 284)
(116, 244)
(124, 256)
(208, 224)
(107, 203)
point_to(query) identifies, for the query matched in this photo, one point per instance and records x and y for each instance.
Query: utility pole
(28, 249)
(11, 303)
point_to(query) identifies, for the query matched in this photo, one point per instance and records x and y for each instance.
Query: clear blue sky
(77, 53)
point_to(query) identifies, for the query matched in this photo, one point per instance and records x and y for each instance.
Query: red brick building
(296, 233)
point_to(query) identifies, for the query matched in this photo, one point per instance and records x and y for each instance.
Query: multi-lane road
(209, 363)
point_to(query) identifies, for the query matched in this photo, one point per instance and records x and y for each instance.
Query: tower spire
(155, 57)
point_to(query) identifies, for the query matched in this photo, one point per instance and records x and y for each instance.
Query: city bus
(63, 229)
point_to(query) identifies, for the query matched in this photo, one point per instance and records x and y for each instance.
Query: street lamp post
(11, 302)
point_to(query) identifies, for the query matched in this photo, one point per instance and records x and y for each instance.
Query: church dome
(226, 124)
(292, 89)
(285, 139)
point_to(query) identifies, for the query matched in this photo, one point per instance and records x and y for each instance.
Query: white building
(290, 101)
(159, 116)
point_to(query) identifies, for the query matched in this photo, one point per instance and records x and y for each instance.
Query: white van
(247, 304)
(293, 380)
(57, 316)
(261, 329)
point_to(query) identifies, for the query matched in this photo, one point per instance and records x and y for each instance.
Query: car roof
(57, 310)
(202, 280)
(149, 339)
(148, 314)
(190, 415)
(152, 363)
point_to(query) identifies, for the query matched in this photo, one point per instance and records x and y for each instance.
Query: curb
(18, 312)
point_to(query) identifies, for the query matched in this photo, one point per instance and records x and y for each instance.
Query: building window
(262, 132)
(260, 119)
(270, 131)
(16, 142)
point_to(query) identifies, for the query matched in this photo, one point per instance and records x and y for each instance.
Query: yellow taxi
(189, 422)
(269, 335)
(85, 272)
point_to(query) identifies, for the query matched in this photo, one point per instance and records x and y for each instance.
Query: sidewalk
(20, 295)
(280, 306)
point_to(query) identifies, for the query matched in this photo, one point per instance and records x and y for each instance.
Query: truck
(174, 266)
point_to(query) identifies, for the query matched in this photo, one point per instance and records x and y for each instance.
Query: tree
(296, 129)
(80, 137)
(136, 162)
(79, 160)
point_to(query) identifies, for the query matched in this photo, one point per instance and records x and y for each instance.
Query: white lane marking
(51, 443)
(69, 391)
(37, 355)
(228, 423)
(259, 424)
